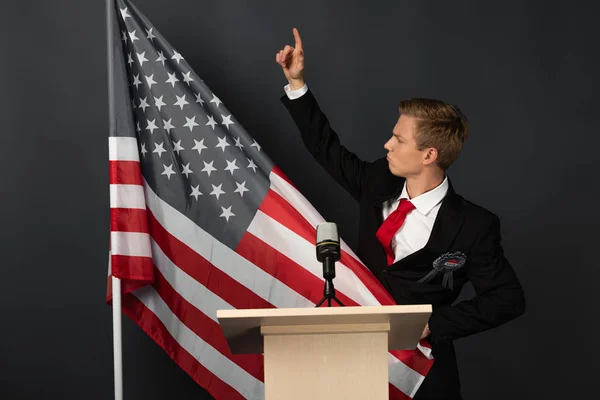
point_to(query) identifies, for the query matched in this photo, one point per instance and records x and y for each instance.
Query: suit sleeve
(499, 295)
(324, 144)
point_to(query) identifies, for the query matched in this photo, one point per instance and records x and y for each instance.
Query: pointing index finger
(298, 40)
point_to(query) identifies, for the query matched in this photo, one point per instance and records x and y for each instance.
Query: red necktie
(390, 226)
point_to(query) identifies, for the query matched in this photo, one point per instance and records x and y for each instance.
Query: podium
(328, 352)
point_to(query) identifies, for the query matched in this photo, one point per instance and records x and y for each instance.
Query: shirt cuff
(294, 94)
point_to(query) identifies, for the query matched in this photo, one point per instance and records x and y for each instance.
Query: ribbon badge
(446, 263)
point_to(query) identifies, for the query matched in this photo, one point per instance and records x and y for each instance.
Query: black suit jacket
(460, 226)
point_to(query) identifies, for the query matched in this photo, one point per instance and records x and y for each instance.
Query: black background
(525, 74)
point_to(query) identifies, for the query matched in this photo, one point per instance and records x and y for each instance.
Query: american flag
(201, 219)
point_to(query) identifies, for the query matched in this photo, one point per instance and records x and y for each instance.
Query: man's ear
(430, 156)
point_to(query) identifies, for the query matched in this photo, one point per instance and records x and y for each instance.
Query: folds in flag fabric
(201, 219)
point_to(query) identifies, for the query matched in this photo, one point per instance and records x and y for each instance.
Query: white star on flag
(191, 122)
(161, 58)
(181, 101)
(151, 126)
(125, 13)
(241, 188)
(176, 56)
(168, 126)
(158, 102)
(186, 170)
(252, 165)
(136, 81)
(142, 58)
(150, 34)
(144, 104)
(186, 78)
(172, 79)
(158, 148)
(199, 146)
(223, 143)
(231, 166)
(168, 171)
(196, 191)
(208, 167)
(199, 100)
(227, 213)
(238, 143)
(226, 120)
(211, 122)
(217, 191)
(216, 100)
(150, 80)
(177, 146)
(133, 37)
(255, 144)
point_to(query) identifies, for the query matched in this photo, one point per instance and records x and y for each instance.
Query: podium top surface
(242, 328)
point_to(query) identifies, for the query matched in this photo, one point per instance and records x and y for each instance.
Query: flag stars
(143, 150)
(186, 78)
(255, 144)
(208, 167)
(144, 104)
(238, 143)
(168, 126)
(161, 58)
(196, 191)
(216, 100)
(151, 126)
(211, 122)
(124, 36)
(136, 81)
(227, 213)
(190, 122)
(186, 170)
(252, 165)
(241, 188)
(150, 81)
(226, 120)
(199, 100)
(125, 13)
(129, 59)
(231, 166)
(181, 101)
(133, 37)
(150, 34)
(142, 58)
(223, 143)
(176, 56)
(168, 171)
(177, 147)
(217, 191)
(199, 146)
(172, 79)
(158, 102)
(158, 148)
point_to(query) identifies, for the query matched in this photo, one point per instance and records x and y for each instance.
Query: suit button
(384, 272)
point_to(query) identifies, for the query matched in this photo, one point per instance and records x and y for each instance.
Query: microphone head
(327, 232)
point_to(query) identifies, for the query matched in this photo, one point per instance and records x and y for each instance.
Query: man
(421, 239)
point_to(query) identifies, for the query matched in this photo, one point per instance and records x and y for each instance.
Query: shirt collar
(426, 201)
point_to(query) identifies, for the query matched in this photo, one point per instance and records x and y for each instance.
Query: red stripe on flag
(153, 326)
(285, 270)
(280, 210)
(415, 359)
(125, 173)
(203, 271)
(397, 394)
(205, 328)
(132, 268)
(128, 220)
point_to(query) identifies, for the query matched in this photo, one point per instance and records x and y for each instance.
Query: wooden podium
(327, 352)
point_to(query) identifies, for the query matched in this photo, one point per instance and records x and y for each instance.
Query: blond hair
(439, 125)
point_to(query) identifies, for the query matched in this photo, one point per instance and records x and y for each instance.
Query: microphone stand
(329, 290)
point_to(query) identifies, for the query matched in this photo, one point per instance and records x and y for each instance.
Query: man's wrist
(296, 84)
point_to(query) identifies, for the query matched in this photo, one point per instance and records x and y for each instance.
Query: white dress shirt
(416, 229)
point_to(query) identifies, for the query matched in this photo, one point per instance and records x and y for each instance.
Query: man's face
(403, 157)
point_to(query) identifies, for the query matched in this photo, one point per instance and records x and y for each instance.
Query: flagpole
(116, 282)
(117, 342)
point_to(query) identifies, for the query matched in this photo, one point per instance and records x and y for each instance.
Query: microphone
(328, 252)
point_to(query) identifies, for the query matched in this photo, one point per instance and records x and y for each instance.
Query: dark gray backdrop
(524, 74)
